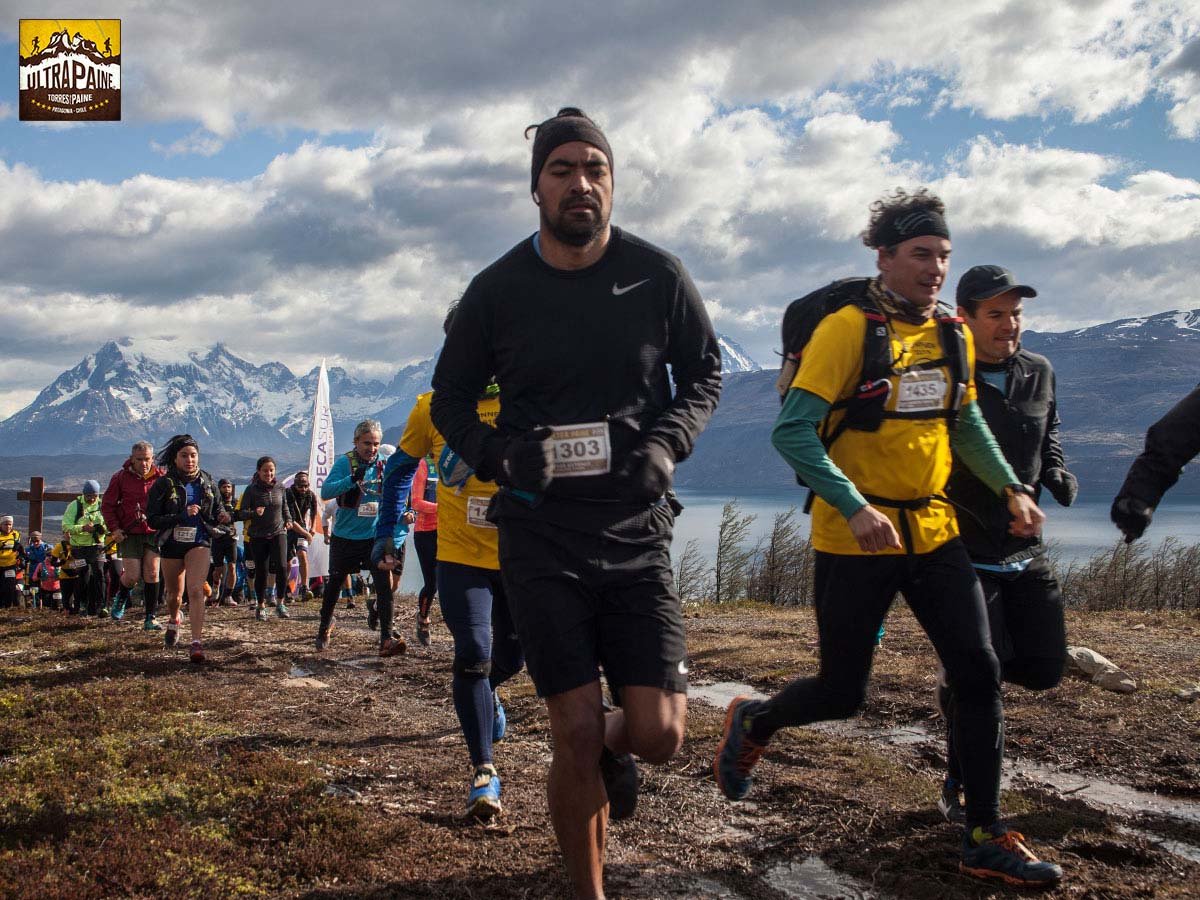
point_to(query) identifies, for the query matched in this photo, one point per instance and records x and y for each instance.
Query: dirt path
(273, 771)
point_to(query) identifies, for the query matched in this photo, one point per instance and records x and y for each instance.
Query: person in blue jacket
(356, 481)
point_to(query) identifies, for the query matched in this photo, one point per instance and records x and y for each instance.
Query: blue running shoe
(118, 609)
(1002, 854)
(499, 719)
(737, 753)
(483, 802)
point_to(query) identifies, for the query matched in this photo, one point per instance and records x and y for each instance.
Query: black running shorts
(224, 550)
(176, 550)
(349, 557)
(590, 600)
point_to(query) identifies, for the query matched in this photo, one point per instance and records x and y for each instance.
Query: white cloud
(198, 143)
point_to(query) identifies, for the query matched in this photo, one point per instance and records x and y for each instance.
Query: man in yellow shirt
(881, 525)
(474, 606)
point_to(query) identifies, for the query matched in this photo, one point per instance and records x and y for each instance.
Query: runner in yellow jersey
(474, 607)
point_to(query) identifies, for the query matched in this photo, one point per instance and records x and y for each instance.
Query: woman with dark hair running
(265, 509)
(182, 505)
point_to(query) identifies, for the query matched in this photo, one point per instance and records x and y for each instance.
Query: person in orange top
(423, 500)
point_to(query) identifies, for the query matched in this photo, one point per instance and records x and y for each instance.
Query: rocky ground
(275, 771)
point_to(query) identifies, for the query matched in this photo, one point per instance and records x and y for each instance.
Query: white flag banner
(320, 462)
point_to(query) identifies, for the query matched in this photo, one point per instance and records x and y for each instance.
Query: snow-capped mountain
(155, 388)
(734, 358)
(151, 389)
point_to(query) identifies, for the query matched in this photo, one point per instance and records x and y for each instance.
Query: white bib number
(922, 391)
(370, 509)
(10, 573)
(581, 450)
(477, 508)
(184, 534)
(77, 564)
(57, 595)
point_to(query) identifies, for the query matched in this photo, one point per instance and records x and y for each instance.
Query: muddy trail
(276, 771)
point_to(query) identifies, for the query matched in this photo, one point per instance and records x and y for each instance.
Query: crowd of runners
(577, 371)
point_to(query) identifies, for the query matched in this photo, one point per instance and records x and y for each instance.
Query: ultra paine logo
(70, 70)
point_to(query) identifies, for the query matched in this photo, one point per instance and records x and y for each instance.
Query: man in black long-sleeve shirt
(1171, 443)
(578, 325)
(1017, 397)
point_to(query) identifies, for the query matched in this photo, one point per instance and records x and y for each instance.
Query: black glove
(525, 462)
(1132, 516)
(648, 470)
(357, 475)
(1062, 485)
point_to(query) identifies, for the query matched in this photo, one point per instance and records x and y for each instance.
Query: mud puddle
(1098, 793)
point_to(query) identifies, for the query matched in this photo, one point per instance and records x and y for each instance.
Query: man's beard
(577, 232)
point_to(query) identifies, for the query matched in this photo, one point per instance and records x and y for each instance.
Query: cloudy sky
(303, 179)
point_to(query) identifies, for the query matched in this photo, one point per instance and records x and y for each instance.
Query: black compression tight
(266, 552)
(853, 594)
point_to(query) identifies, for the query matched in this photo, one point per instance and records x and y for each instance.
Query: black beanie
(568, 124)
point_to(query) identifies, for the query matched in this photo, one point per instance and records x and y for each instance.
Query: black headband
(569, 124)
(914, 224)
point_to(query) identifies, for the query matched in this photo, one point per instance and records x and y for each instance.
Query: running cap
(981, 283)
(223, 482)
(568, 124)
(6, 520)
(914, 224)
(91, 486)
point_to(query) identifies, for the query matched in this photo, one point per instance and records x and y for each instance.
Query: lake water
(1079, 531)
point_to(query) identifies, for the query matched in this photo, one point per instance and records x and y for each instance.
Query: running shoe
(307, 595)
(196, 654)
(150, 624)
(227, 600)
(282, 611)
(350, 604)
(323, 637)
(950, 803)
(1001, 854)
(483, 801)
(499, 719)
(620, 774)
(260, 612)
(393, 646)
(118, 610)
(737, 753)
(171, 635)
(103, 613)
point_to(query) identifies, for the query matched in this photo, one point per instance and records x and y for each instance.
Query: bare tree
(693, 575)
(733, 559)
(782, 568)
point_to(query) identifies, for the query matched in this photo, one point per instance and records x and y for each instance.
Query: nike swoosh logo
(618, 291)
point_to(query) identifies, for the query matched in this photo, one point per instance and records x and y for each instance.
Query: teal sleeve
(338, 481)
(798, 441)
(972, 440)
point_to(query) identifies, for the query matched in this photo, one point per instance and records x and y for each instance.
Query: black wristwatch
(1011, 490)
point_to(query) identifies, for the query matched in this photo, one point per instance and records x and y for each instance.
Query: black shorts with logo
(600, 595)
